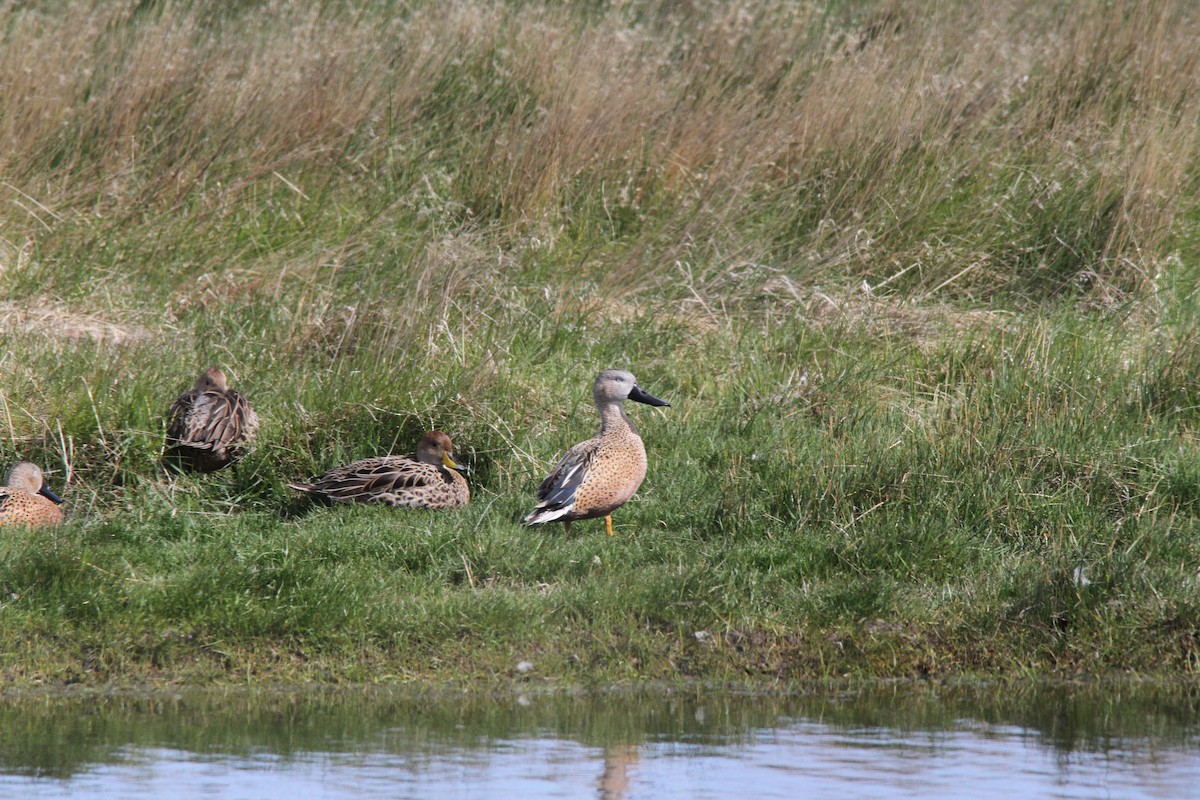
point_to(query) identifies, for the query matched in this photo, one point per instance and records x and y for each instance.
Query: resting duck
(210, 426)
(428, 479)
(26, 500)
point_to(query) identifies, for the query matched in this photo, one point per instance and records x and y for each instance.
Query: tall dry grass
(1030, 149)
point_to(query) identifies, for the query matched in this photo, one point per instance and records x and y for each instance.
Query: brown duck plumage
(210, 426)
(598, 476)
(428, 479)
(26, 500)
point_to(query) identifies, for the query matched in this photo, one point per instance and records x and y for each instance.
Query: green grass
(924, 309)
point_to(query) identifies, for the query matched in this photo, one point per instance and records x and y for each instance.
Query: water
(974, 742)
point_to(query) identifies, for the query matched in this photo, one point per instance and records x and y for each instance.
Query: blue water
(645, 745)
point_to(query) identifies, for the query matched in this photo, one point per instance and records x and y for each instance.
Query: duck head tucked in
(210, 426)
(26, 500)
(598, 476)
(428, 479)
(211, 380)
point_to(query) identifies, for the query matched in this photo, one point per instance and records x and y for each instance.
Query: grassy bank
(920, 287)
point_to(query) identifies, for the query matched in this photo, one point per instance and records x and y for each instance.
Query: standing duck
(428, 479)
(26, 500)
(598, 476)
(210, 426)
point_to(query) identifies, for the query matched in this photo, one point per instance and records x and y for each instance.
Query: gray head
(614, 385)
(27, 477)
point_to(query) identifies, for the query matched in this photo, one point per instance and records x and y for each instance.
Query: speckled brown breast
(23, 508)
(617, 470)
(447, 490)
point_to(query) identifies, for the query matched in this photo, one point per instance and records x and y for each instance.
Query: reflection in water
(614, 778)
(940, 742)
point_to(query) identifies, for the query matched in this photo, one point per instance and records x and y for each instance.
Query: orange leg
(608, 523)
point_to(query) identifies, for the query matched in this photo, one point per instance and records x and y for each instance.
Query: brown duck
(210, 426)
(26, 500)
(598, 476)
(428, 479)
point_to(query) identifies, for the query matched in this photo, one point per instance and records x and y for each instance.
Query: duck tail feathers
(543, 514)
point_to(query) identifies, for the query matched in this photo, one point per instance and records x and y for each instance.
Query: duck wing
(384, 479)
(558, 490)
(211, 420)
